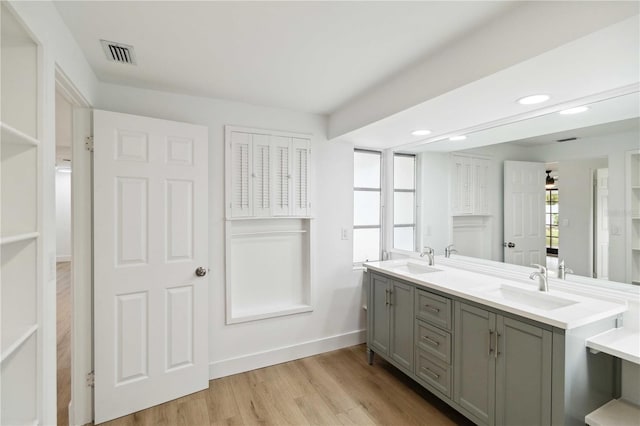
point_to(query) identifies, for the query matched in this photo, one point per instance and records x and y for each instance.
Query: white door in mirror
(524, 213)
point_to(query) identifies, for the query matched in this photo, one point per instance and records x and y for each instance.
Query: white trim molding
(230, 366)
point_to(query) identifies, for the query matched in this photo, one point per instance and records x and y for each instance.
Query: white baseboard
(66, 258)
(249, 362)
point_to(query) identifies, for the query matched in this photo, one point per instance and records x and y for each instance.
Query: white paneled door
(524, 213)
(150, 238)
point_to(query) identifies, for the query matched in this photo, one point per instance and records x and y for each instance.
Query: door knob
(509, 244)
(201, 272)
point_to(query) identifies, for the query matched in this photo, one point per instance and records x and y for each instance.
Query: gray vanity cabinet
(502, 368)
(391, 320)
(379, 317)
(474, 362)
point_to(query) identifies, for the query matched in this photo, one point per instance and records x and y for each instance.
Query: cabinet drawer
(433, 372)
(433, 340)
(434, 309)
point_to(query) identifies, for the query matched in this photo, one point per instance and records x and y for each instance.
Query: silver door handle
(509, 244)
(201, 271)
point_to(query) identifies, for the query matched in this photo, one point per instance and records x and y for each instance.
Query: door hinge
(91, 379)
(88, 143)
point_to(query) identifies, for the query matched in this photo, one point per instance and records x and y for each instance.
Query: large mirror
(557, 187)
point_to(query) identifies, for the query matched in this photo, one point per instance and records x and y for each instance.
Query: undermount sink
(415, 268)
(531, 298)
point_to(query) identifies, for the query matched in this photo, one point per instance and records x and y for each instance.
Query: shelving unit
(20, 227)
(633, 173)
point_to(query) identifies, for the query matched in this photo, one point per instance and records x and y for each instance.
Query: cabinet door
(301, 154)
(379, 311)
(261, 175)
(461, 185)
(402, 319)
(523, 374)
(241, 166)
(474, 371)
(480, 181)
(281, 165)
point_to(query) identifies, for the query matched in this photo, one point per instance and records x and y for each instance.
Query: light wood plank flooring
(334, 388)
(63, 330)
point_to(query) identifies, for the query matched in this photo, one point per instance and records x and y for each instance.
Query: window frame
(415, 204)
(380, 190)
(550, 250)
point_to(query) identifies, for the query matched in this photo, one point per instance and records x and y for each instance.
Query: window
(552, 234)
(404, 202)
(367, 166)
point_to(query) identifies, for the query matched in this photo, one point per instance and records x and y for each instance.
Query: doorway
(64, 311)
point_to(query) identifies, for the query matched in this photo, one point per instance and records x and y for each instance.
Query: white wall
(337, 319)
(63, 216)
(434, 181)
(575, 193)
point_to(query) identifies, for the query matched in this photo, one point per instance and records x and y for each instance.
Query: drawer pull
(490, 342)
(432, 308)
(430, 373)
(430, 341)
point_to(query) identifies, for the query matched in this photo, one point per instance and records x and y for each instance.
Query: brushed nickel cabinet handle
(430, 341)
(431, 308)
(430, 373)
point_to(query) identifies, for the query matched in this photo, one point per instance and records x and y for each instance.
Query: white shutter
(261, 176)
(480, 180)
(301, 203)
(462, 176)
(281, 175)
(241, 165)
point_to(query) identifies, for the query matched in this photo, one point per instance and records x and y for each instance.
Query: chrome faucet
(428, 251)
(563, 270)
(448, 250)
(543, 283)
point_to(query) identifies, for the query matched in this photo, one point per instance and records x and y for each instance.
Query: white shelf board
(615, 412)
(244, 314)
(17, 340)
(620, 342)
(15, 136)
(19, 237)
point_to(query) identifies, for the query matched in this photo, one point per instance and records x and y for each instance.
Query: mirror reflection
(543, 192)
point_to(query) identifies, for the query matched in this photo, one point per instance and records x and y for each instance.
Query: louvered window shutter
(261, 175)
(241, 165)
(301, 204)
(282, 175)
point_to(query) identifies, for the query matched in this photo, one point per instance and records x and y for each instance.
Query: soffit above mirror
(599, 66)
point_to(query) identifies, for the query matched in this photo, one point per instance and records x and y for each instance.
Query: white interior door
(602, 224)
(150, 221)
(524, 207)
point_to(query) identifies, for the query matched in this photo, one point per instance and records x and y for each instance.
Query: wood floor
(334, 388)
(63, 330)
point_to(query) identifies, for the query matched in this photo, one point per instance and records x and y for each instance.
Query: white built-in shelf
(18, 238)
(274, 232)
(15, 136)
(17, 339)
(616, 412)
(619, 342)
(240, 219)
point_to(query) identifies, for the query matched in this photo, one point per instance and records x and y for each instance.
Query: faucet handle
(428, 250)
(543, 269)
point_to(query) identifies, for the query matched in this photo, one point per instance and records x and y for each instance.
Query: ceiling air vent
(118, 52)
(567, 139)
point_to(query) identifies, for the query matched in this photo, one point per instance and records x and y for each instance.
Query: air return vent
(567, 139)
(118, 52)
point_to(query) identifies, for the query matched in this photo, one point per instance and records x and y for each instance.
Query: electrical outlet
(345, 234)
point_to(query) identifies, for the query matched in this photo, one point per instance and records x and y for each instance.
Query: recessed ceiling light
(457, 138)
(576, 110)
(420, 132)
(533, 99)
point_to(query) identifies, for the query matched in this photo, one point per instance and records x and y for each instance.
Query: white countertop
(481, 288)
(620, 342)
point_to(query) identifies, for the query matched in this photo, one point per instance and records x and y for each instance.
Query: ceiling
(304, 56)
